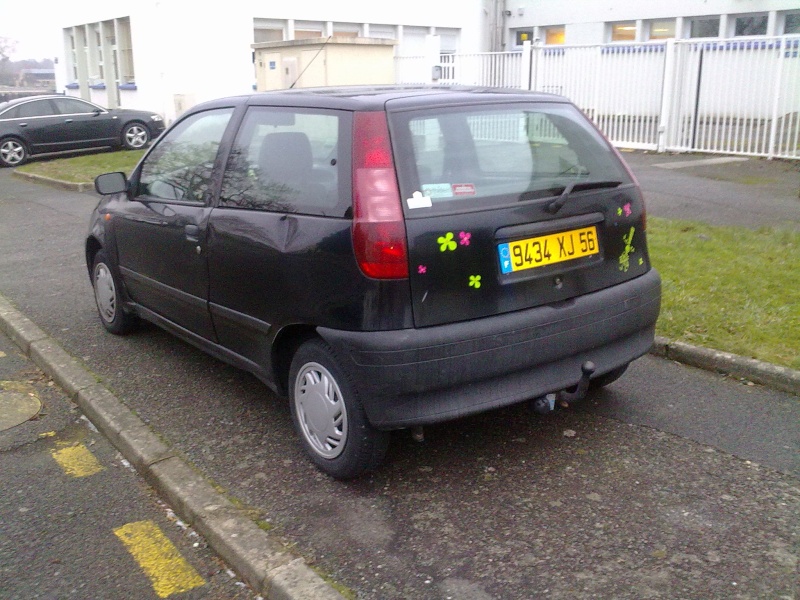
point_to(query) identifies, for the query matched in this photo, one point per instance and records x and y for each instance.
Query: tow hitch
(546, 404)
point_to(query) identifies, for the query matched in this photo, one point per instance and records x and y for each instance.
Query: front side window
(180, 165)
(73, 106)
(483, 155)
(287, 160)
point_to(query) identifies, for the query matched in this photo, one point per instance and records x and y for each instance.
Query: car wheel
(13, 152)
(329, 416)
(135, 136)
(608, 378)
(108, 299)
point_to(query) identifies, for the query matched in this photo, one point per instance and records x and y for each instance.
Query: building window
(792, 23)
(623, 32)
(523, 35)
(751, 25)
(307, 34)
(267, 35)
(554, 35)
(662, 30)
(704, 27)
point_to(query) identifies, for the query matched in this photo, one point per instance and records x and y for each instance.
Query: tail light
(379, 233)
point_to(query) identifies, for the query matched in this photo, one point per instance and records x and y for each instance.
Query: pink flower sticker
(465, 236)
(627, 209)
(422, 269)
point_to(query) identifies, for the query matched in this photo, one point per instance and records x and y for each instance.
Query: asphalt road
(672, 483)
(69, 499)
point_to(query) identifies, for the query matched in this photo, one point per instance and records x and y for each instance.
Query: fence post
(667, 98)
(783, 52)
(525, 66)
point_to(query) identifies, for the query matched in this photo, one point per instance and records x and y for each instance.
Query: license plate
(548, 249)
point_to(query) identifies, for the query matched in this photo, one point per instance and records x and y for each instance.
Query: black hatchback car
(41, 124)
(385, 257)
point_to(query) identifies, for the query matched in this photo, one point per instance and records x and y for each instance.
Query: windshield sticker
(475, 281)
(625, 259)
(463, 189)
(419, 201)
(438, 190)
(446, 242)
(464, 236)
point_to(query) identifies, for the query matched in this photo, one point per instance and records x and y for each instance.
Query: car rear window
(453, 158)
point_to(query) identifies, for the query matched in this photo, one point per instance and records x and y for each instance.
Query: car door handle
(67, 120)
(23, 124)
(192, 233)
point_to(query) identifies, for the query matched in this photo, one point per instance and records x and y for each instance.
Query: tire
(329, 417)
(13, 152)
(608, 378)
(135, 136)
(108, 299)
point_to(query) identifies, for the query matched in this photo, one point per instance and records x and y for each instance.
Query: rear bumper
(422, 376)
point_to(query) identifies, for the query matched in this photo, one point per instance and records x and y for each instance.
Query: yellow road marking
(159, 558)
(77, 461)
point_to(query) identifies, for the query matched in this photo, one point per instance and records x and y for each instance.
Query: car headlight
(156, 118)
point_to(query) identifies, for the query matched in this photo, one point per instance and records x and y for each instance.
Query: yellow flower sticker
(446, 242)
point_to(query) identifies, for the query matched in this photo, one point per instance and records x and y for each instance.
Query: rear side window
(36, 108)
(289, 160)
(479, 155)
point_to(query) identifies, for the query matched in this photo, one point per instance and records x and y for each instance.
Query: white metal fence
(738, 96)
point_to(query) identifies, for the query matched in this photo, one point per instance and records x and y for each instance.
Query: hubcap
(12, 152)
(105, 293)
(136, 136)
(321, 410)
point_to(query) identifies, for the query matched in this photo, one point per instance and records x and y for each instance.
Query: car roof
(376, 97)
(29, 98)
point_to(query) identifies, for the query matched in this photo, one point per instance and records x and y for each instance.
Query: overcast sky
(31, 23)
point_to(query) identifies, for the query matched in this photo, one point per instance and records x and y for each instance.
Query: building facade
(167, 55)
(555, 22)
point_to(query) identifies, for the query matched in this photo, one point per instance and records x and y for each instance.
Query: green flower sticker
(475, 281)
(446, 242)
(625, 259)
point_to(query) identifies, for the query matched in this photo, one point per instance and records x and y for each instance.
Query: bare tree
(7, 47)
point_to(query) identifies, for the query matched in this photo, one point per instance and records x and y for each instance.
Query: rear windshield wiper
(557, 204)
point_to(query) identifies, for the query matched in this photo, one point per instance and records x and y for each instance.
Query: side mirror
(111, 183)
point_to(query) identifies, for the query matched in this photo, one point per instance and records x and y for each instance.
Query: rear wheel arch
(284, 347)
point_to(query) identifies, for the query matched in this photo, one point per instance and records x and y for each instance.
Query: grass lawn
(726, 288)
(729, 288)
(84, 168)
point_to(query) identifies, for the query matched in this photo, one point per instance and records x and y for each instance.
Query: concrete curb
(269, 568)
(56, 183)
(780, 378)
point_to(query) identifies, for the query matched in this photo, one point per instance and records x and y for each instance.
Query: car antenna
(311, 61)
